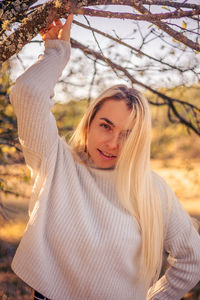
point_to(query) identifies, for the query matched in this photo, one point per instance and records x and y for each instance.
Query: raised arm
(32, 93)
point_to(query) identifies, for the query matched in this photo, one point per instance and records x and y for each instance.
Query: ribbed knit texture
(80, 243)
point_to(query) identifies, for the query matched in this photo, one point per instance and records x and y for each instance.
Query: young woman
(100, 219)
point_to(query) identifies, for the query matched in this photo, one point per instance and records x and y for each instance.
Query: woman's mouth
(106, 155)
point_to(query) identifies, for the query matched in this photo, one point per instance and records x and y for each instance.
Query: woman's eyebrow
(108, 121)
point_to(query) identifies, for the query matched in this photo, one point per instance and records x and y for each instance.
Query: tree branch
(119, 41)
(171, 102)
(145, 17)
(13, 12)
(44, 15)
(32, 25)
(147, 2)
(175, 34)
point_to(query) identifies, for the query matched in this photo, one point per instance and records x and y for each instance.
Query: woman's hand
(58, 31)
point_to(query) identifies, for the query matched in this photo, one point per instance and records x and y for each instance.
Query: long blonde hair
(135, 181)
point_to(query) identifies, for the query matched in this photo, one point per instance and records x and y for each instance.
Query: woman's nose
(113, 142)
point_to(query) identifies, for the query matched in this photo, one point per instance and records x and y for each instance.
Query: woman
(100, 219)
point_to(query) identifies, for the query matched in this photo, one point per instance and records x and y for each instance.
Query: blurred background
(174, 155)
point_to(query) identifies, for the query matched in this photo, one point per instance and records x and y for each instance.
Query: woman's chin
(104, 164)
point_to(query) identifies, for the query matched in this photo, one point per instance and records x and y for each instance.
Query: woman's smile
(106, 155)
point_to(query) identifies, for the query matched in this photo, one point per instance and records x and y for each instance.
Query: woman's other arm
(32, 93)
(182, 243)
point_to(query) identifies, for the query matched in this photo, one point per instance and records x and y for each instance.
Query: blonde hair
(134, 180)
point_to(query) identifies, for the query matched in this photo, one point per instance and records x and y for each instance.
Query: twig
(119, 41)
(144, 17)
(175, 34)
(168, 100)
(150, 2)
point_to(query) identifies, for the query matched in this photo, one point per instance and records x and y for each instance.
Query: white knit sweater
(80, 243)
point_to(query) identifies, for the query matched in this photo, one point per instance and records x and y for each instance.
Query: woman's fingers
(69, 20)
(58, 23)
(46, 30)
(64, 33)
(50, 33)
(58, 30)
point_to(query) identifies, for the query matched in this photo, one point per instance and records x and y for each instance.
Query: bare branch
(149, 2)
(175, 34)
(12, 10)
(145, 17)
(52, 10)
(194, 126)
(34, 18)
(119, 41)
(41, 18)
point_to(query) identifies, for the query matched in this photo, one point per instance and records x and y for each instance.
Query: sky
(123, 28)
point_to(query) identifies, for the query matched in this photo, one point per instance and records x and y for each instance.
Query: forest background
(174, 155)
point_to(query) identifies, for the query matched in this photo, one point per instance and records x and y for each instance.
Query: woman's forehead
(116, 112)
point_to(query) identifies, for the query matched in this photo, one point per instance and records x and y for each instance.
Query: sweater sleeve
(182, 243)
(31, 98)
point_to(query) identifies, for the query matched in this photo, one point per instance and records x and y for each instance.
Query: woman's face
(107, 132)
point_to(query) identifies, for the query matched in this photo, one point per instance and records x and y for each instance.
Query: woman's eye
(105, 126)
